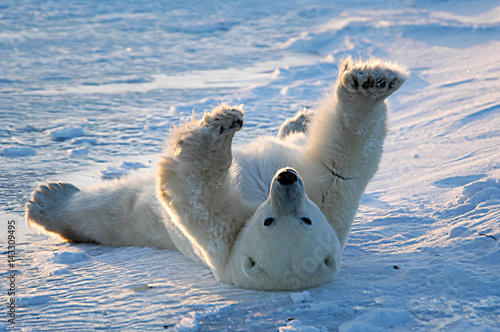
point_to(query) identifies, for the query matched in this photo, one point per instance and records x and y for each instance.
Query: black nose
(287, 177)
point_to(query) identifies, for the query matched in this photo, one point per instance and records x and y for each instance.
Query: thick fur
(216, 205)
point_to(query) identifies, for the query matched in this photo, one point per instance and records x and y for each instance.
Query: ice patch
(18, 151)
(66, 132)
(379, 320)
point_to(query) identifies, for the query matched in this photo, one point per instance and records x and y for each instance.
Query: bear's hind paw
(46, 201)
(296, 124)
(374, 78)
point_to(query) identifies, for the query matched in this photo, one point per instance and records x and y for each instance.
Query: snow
(66, 132)
(84, 141)
(68, 257)
(300, 296)
(139, 287)
(28, 301)
(187, 325)
(17, 151)
(131, 165)
(378, 320)
(80, 152)
(122, 169)
(296, 325)
(112, 172)
(88, 85)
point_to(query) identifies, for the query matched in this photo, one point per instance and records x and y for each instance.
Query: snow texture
(66, 132)
(122, 169)
(80, 152)
(18, 151)
(423, 253)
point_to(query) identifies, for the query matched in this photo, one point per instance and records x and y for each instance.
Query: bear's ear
(249, 267)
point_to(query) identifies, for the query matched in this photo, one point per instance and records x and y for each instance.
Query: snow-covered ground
(89, 90)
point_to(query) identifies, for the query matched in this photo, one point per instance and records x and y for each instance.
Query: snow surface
(86, 85)
(17, 151)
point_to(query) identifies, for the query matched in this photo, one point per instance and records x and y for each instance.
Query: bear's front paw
(374, 78)
(223, 120)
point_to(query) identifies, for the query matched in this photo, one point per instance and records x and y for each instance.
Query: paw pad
(223, 119)
(374, 78)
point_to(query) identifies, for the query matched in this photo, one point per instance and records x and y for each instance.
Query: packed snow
(66, 132)
(90, 89)
(17, 151)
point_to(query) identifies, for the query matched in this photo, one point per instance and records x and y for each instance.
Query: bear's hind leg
(373, 79)
(44, 209)
(297, 124)
(346, 138)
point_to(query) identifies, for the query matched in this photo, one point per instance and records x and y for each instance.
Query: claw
(391, 85)
(355, 83)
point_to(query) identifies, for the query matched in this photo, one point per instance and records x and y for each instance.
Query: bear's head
(288, 244)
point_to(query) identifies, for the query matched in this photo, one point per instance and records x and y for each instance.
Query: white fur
(211, 202)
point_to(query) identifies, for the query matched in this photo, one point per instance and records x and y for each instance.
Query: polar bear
(271, 215)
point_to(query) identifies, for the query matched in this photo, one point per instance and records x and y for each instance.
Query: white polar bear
(247, 214)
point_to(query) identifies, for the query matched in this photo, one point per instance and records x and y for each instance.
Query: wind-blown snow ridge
(351, 26)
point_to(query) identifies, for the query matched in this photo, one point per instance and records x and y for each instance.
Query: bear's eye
(307, 221)
(268, 222)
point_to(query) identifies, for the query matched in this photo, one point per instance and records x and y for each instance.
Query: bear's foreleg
(194, 184)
